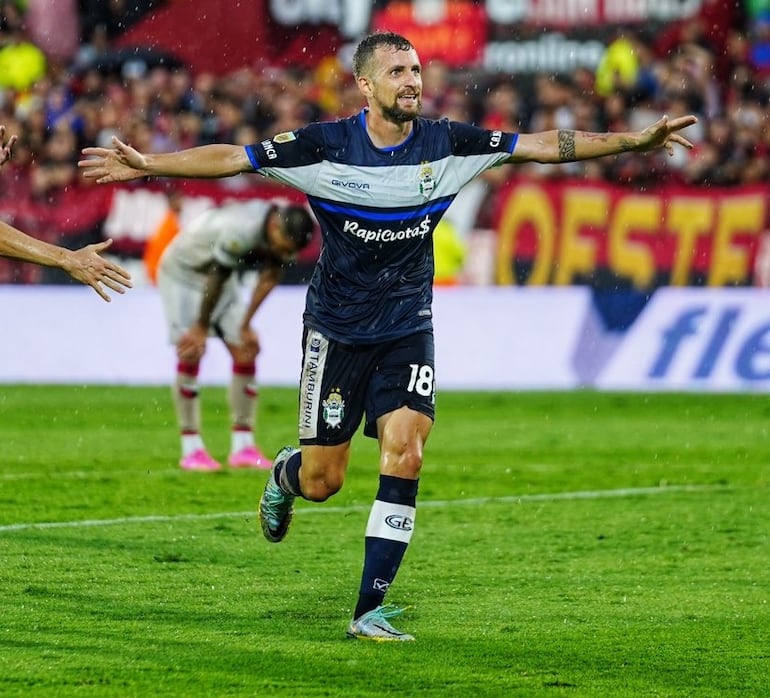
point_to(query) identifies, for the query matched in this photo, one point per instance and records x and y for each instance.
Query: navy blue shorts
(341, 382)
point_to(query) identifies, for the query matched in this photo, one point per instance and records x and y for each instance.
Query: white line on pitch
(513, 499)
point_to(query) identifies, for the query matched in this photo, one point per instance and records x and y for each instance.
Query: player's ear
(364, 85)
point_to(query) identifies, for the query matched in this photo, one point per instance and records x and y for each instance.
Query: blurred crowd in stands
(59, 104)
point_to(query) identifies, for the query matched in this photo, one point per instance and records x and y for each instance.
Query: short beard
(397, 115)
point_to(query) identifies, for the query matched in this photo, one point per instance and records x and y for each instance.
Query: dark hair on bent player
(298, 225)
(368, 44)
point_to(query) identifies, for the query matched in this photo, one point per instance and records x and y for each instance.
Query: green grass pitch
(567, 544)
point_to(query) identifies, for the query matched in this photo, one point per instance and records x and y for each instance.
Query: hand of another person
(5, 147)
(87, 266)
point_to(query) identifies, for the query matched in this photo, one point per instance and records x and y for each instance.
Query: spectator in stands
(22, 63)
(84, 265)
(759, 51)
(502, 107)
(55, 169)
(619, 67)
(54, 27)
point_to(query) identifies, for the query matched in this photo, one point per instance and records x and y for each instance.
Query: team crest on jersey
(284, 137)
(334, 408)
(427, 183)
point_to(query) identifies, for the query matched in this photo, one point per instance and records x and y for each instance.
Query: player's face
(395, 84)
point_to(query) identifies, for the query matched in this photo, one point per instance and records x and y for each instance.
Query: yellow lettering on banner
(688, 217)
(631, 259)
(738, 214)
(527, 205)
(577, 254)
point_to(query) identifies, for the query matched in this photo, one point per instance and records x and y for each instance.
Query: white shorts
(182, 303)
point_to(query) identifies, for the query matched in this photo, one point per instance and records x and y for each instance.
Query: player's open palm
(117, 164)
(664, 134)
(89, 267)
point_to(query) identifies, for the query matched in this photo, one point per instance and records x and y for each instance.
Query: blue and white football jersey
(377, 209)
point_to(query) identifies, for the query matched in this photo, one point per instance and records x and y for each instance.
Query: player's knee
(318, 484)
(320, 489)
(410, 463)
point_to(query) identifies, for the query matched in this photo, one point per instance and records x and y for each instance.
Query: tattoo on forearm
(567, 141)
(566, 145)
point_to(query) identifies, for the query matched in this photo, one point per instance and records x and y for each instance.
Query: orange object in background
(163, 235)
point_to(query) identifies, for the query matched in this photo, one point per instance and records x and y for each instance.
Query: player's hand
(192, 345)
(120, 163)
(247, 348)
(87, 266)
(250, 340)
(664, 134)
(5, 146)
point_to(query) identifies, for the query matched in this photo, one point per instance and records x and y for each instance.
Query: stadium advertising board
(486, 339)
(565, 233)
(695, 339)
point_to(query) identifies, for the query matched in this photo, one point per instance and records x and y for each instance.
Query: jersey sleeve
(475, 150)
(468, 140)
(290, 157)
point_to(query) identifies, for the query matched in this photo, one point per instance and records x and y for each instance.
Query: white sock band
(390, 521)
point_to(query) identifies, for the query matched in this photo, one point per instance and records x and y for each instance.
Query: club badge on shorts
(334, 408)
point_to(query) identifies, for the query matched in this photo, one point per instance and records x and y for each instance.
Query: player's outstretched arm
(122, 163)
(569, 146)
(5, 146)
(84, 265)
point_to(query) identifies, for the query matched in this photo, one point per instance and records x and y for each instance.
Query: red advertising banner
(549, 232)
(565, 233)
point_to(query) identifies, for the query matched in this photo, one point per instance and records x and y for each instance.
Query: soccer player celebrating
(379, 183)
(84, 265)
(198, 281)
